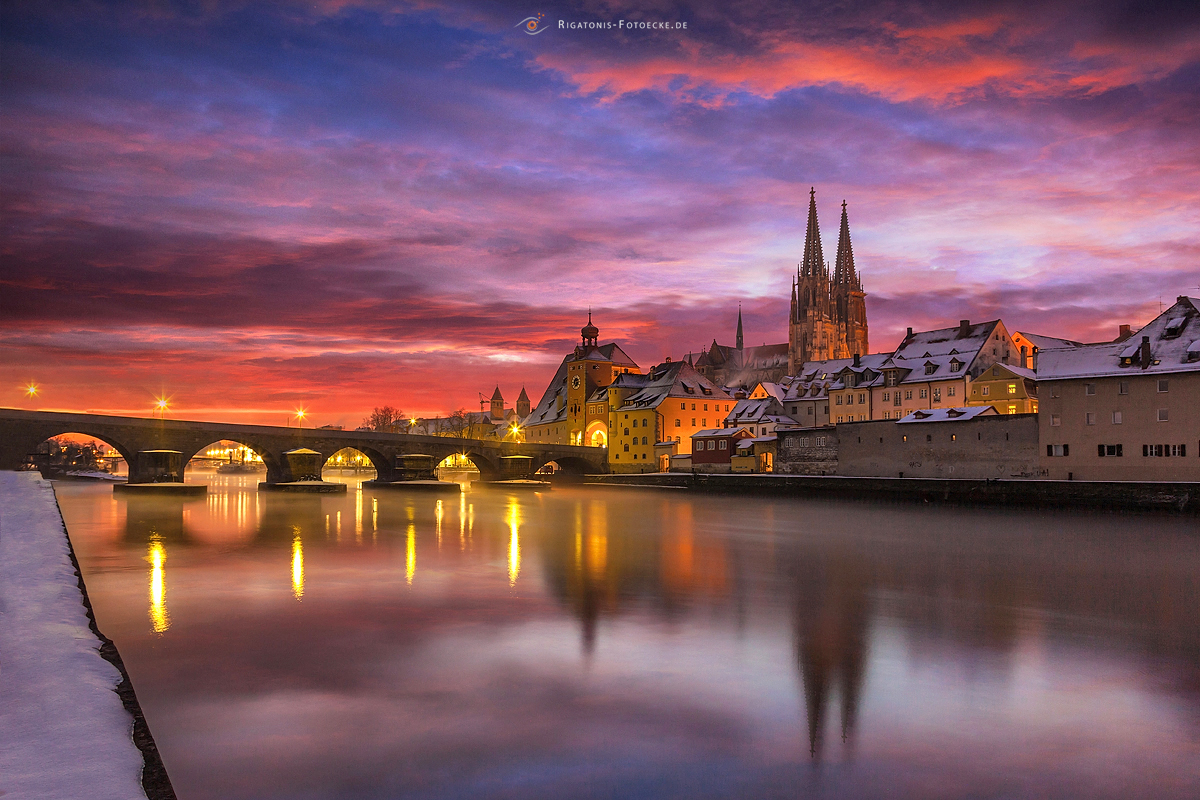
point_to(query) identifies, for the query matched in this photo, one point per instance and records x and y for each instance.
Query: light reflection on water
(600, 643)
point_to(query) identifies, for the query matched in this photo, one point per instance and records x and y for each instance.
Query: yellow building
(574, 407)
(1009, 390)
(667, 404)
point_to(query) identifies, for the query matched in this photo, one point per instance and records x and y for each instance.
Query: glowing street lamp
(516, 431)
(31, 390)
(300, 414)
(161, 405)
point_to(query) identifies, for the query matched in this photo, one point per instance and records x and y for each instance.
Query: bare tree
(385, 419)
(457, 425)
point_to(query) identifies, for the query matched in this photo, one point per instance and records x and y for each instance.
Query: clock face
(575, 382)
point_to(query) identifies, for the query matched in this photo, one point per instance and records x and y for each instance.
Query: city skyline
(348, 205)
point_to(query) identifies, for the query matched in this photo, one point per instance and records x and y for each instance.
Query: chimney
(857, 361)
(964, 328)
(668, 361)
(1144, 352)
(1123, 333)
(908, 335)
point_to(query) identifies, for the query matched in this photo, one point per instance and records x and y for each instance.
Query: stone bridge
(22, 431)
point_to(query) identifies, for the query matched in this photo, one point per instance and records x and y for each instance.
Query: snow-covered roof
(713, 433)
(1044, 342)
(1172, 337)
(1020, 372)
(672, 379)
(948, 414)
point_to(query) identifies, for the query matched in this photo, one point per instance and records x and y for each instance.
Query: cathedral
(829, 313)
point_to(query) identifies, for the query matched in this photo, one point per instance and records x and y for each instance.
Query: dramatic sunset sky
(340, 205)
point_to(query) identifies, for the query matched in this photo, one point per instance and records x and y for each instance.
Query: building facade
(1126, 410)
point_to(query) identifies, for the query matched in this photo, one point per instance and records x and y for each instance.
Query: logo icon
(531, 25)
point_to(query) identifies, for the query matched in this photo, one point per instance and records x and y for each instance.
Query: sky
(251, 208)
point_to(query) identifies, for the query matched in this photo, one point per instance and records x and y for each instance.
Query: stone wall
(990, 447)
(807, 451)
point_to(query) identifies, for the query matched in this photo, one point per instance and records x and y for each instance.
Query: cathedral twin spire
(813, 264)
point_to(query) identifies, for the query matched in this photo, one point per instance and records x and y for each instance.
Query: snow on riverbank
(63, 731)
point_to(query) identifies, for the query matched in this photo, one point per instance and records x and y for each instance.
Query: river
(616, 642)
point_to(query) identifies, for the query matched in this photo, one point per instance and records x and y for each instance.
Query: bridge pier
(302, 473)
(158, 471)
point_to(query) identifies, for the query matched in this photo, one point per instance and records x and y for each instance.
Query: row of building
(936, 406)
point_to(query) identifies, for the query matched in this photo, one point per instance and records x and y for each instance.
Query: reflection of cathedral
(832, 616)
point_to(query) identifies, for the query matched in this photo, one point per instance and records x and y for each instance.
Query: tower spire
(814, 259)
(739, 329)
(844, 272)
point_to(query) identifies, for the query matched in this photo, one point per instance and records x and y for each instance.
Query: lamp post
(300, 413)
(161, 405)
(31, 391)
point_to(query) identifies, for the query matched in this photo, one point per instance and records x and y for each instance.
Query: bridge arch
(596, 434)
(126, 452)
(269, 458)
(379, 462)
(569, 465)
(489, 469)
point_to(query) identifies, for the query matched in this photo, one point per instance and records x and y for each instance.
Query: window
(726, 406)
(683, 406)
(838, 400)
(1162, 385)
(712, 445)
(887, 396)
(723, 445)
(1108, 450)
(937, 395)
(704, 421)
(904, 438)
(626, 448)
(1090, 418)
(987, 390)
(887, 415)
(693, 422)
(1058, 450)
(1089, 388)
(862, 398)
(951, 391)
(627, 431)
(908, 394)
(1123, 387)
(820, 441)
(1012, 388)
(896, 399)
(793, 409)
(693, 406)
(677, 438)
(924, 393)
(810, 410)
(1164, 450)
(826, 409)
(706, 406)
(635, 422)
(1162, 415)
(1054, 390)
(643, 440)
(677, 422)
(1116, 418)
(839, 417)
(954, 437)
(930, 369)
(1055, 420)
(929, 437)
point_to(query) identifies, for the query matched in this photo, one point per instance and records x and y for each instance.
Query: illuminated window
(1012, 388)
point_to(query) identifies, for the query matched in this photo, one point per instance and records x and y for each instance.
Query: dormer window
(956, 365)
(930, 368)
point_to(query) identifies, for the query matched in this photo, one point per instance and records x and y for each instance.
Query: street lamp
(300, 413)
(161, 405)
(31, 390)
(516, 430)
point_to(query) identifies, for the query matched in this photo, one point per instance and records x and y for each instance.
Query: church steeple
(739, 330)
(844, 272)
(814, 260)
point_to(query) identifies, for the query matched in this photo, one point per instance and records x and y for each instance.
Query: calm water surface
(625, 643)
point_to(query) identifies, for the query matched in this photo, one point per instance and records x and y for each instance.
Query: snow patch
(63, 730)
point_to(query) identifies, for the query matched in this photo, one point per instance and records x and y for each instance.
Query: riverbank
(70, 725)
(1180, 497)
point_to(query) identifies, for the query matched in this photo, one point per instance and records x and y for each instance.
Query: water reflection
(160, 620)
(704, 647)
(297, 564)
(514, 542)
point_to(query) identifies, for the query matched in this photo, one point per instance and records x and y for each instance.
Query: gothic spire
(814, 260)
(844, 272)
(739, 330)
